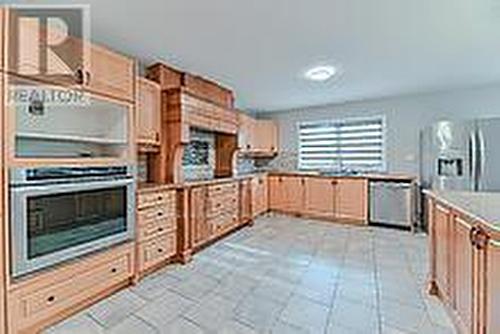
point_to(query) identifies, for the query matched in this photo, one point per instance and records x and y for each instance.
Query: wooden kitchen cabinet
(287, 193)
(320, 197)
(461, 266)
(260, 196)
(352, 200)
(110, 73)
(442, 234)
(156, 234)
(80, 64)
(148, 112)
(202, 229)
(259, 137)
(265, 136)
(489, 296)
(294, 190)
(245, 201)
(246, 132)
(464, 271)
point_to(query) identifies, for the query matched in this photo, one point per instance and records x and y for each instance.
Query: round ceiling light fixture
(320, 73)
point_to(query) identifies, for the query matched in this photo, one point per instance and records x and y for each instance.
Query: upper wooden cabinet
(352, 199)
(266, 136)
(320, 197)
(148, 112)
(110, 73)
(257, 136)
(74, 63)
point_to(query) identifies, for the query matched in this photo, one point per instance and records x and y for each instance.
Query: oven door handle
(58, 188)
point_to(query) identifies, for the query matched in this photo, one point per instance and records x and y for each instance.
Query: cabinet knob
(160, 198)
(80, 76)
(160, 229)
(160, 250)
(51, 299)
(160, 214)
(114, 270)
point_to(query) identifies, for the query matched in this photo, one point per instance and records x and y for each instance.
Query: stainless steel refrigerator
(461, 155)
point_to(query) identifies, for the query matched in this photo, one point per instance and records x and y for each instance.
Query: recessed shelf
(70, 138)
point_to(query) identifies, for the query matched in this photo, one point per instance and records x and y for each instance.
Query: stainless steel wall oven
(61, 213)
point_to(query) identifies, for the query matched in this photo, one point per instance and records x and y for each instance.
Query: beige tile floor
(283, 275)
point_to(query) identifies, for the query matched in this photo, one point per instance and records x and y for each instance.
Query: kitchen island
(465, 252)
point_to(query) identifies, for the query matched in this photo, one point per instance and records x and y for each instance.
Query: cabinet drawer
(30, 306)
(222, 203)
(224, 222)
(152, 214)
(155, 198)
(157, 250)
(156, 228)
(220, 189)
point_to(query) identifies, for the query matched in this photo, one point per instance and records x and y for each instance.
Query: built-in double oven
(60, 213)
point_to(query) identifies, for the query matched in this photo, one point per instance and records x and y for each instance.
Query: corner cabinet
(464, 271)
(148, 112)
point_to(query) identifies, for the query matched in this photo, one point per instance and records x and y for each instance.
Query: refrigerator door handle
(480, 158)
(473, 159)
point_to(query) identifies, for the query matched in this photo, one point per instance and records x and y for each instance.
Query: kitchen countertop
(481, 206)
(147, 187)
(370, 176)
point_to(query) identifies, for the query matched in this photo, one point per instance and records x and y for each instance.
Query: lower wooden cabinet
(245, 200)
(156, 233)
(259, 195)
(320, 197)
(155, 251)
(54, 295)
(344, 199)
(213, 211)
(464, 270)
(352, 199)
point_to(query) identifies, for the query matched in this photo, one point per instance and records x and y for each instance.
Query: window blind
(354, 144)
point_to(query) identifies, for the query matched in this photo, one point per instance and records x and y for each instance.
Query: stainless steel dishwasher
(391, 203)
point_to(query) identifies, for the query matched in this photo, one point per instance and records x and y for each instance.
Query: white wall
(405, 117)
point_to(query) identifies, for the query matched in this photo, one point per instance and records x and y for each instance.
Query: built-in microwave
(61, 213)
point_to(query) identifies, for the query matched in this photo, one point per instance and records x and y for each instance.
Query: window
(349, 144)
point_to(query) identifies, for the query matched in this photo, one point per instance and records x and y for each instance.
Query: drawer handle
(160, 198)
(160, 214)
(160, 229)
(114, 270)
(160, 250)
(51, 299)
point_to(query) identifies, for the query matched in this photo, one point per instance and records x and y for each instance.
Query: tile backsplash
(198, 161)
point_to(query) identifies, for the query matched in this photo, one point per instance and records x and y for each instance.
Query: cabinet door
(266, 136)
(491, 286)
(110, 73)
(320, 197)
(246, 132)
(259, 195)
(276, 193)
(245, 201)
(463, 271)
(200, 227)
(294, 194)
(2, 41)
(442, 217)
(352, 200)
(148, 112)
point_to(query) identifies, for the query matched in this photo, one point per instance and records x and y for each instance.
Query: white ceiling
(261, 48)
